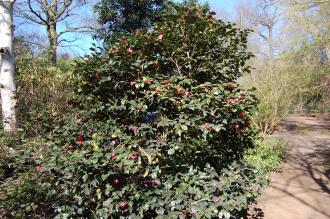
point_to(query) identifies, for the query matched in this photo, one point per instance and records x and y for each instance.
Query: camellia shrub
(162, 126)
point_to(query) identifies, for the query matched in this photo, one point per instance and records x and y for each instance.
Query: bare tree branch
(37, 14)
(51, 13)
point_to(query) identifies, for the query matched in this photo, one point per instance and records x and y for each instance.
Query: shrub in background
(275, 93)
(315, 96)
(43, 101)
(43, 93)
(286, 87)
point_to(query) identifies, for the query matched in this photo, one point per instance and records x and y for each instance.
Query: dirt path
(301, 190)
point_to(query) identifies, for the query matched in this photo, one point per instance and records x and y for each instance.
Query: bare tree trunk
(270, 44)
(49, 13)
(52, 36)
(7, 66)
(327, 50)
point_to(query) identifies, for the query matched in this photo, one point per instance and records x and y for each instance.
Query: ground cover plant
(268, 153)
(159, 131)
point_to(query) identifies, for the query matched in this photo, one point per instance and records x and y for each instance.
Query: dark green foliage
(98, 169)
(161, 128)
(124, 16)
(164, 117)
(23, 191)
(184, 72)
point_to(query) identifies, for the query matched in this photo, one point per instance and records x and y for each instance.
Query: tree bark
(270, 44)
(7, 66)
(52, 36)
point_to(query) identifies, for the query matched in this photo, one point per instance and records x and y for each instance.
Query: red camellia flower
(230, 101)
(123, 204)
(244, 125)
(116, 181)
(153, 183)
(122, 41)
(133, 129)
(114, 156)
(80, 140)
(114, 50)
(158, 90)
(156, 65)
(243, 115)
(229, 86)
(98, 74)
(148, 82)
(160, 36)
(188, 94)
(37, 167)
(207, 126)
(70, 148)
(132, 156)
(132, 83)
(137, 32)
(237, 127)
(130, 50)
(179, 90)
(166, 82)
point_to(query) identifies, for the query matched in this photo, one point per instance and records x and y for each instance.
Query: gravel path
(301, 189)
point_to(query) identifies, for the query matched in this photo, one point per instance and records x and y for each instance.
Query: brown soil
(301, 189)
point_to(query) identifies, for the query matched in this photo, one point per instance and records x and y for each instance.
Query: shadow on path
(302, 188)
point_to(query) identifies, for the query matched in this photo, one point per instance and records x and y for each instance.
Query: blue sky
(222, 4)
(85, 41)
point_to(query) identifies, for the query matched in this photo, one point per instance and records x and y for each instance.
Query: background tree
(51, 14)
(307, 28)
(261, 16)
(125, 16)
(7, 66)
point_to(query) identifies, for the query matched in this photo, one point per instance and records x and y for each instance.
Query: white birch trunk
(7, 66)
